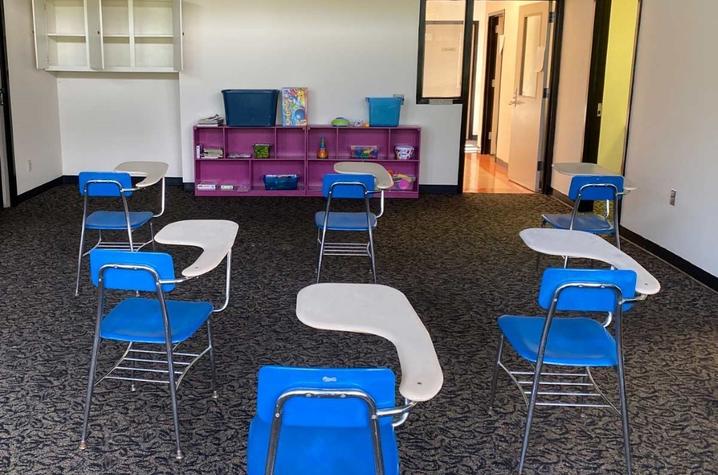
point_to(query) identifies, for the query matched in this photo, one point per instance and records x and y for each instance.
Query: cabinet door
(178, 33)
(94, 34)
(39, 24)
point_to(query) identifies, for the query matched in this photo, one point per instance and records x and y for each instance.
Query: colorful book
(294, 107)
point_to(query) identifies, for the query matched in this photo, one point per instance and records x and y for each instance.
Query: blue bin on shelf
(384, 111)
(250, 107)
(281, 182)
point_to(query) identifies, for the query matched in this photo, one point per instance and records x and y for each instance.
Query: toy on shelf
(340, 122)
(322, 153)
(403, 181)
(294, 107)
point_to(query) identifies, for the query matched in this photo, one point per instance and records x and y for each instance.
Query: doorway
(492, 83)
(507, 107)
(8, 190)
(612, 62)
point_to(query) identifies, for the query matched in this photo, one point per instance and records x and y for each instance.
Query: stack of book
(212, 121)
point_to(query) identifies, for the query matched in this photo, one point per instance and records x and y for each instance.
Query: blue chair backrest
(104, 190)
(379, 383)
(344, 189)
(586, 299)
(126, 279)
(595, 193)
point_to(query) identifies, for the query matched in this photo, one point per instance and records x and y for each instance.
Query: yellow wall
(617, 85)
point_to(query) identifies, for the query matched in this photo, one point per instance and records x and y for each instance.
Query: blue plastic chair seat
(322, 451)
(139, 320)
(343, 221)
(575, 341)
(588, 222)
(115, 220)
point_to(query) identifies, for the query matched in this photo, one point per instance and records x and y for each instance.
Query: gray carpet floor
(460, 262)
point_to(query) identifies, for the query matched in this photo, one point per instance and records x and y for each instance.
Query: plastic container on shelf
(281, 182)
(404, 152)
(364, 152)
(250, 107)
(384, 111)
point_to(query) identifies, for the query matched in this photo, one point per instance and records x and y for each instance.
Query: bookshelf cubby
(108, 35)
(293, 150)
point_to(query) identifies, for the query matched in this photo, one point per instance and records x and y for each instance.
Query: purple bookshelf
(293, 150)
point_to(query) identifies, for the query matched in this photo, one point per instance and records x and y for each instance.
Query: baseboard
(170, 180)
(503, 164)
(704, 277)
(439, 189)
(72, 180)
(561, 197)
(37, 190)
(189, 186)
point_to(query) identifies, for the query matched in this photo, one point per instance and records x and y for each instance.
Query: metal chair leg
(615, 227)
(372, 256)
(90, 386)
(624, 415)
(211, 361)
(79, 261)
(530, 415)
(538, 254)
(321, 254)
(152, 237)
(133, 388)
(173, 395)
(499, 351)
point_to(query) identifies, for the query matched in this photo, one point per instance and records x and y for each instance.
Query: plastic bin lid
(250, 90)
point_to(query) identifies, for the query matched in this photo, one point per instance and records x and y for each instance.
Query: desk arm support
(228, 275)
(401, 411)
(162, 200)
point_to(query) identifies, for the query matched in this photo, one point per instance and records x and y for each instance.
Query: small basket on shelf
(281, 182)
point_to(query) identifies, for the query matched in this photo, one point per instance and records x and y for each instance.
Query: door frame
(487, 114)
(7, 113)
(472, 83)
(556, 17)
(597, 75)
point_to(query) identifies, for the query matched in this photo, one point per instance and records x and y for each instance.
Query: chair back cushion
(349, 186)
(379, 383)
(129, 279)
(586, 299)
(595, 188)
(86, 184)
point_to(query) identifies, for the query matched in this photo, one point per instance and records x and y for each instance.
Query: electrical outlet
(29, 166)
(672, 199)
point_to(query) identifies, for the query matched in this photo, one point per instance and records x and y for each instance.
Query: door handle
(515, 101)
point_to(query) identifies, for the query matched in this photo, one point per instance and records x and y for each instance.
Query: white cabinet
(108, 35)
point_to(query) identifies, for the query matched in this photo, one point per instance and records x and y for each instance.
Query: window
(441, 50)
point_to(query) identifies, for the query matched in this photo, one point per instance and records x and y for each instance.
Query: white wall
(342, 51)
(672, 141)
(573, 86)
(33, 95)
(106, 119)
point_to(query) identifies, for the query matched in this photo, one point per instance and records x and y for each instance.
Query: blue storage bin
(384, 111)
(281, 182)
(250, 107)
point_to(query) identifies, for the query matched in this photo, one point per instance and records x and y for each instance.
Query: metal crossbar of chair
(359, 249)
(128, 365)
(580, 387)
